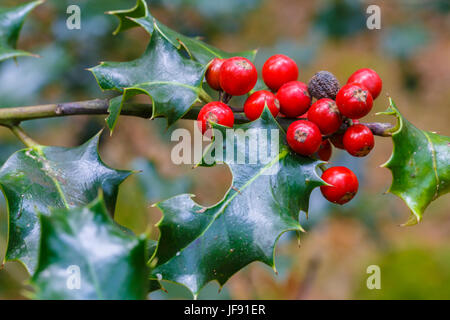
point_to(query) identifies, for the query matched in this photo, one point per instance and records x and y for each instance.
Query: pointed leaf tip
(420, 166)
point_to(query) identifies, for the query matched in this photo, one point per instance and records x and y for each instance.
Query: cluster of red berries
(332, 117)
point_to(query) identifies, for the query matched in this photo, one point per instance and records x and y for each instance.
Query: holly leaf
(85, 255)
(34, 180)
(173, 82)
(199, 244)
(202, 52)
(11, 21)
(420, 165)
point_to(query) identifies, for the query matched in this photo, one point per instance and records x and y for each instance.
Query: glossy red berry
(213, 73)
(304, 137)
(337, 140)
(215, 112)
(278, 70)
(354, 101)
(343, 185)
(237, 76)
(368, 78)
(254, 105)
(358, 140)
(325, 114)
(294, 99)
(325, 150)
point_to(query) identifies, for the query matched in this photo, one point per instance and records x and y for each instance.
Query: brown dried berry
(323, 85)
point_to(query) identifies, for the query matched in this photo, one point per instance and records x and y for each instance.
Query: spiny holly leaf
(85, 255)
(34, 180)
(11, 21)
(173, 82)
(420, 165)
(199, 244)
(197, 49)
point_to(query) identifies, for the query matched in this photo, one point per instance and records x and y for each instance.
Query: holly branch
(12, 117)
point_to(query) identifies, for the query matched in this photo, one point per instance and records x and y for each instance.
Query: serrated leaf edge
(97, 139)
(272, 263)
(415, 217)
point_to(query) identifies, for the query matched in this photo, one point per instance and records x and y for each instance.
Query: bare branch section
(13, 116)
(89, 107)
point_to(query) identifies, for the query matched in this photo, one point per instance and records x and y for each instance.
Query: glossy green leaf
(420, 165)
(84, 254)
(173, 82)
(34, 180)
(11, 21)
(197, 49)
(199, 244)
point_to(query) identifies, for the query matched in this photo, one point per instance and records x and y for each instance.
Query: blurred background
(411, 52)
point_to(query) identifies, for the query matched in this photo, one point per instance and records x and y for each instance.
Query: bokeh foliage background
(411, 52)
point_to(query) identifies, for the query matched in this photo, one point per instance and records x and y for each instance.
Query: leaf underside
(11, 21)
(420, 165)
(84, 254)
(52, 177)
(199, 244)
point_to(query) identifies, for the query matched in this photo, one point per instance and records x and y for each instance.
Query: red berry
(325, 150)
(294, 98)
(216, 112)
(337, 140)
(325, 114)
(304, 137)
(254, 105)
(237, 76)
(278, 70)
(368, 78)
(358, 140)
(213, 73)
(343, 185)
(354, 101)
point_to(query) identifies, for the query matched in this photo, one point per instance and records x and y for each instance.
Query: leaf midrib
(43, 158)
(434, 160)
(150, 83)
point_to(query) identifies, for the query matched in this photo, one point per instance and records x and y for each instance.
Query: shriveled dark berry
(323, 85)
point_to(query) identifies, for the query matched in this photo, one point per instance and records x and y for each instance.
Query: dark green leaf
(173, 82)
(86, 244)
(33, 180)
(200, 244)
(11, 21)
(420, 165)
(199, 50)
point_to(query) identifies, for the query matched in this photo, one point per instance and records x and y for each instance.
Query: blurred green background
(411, 52)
